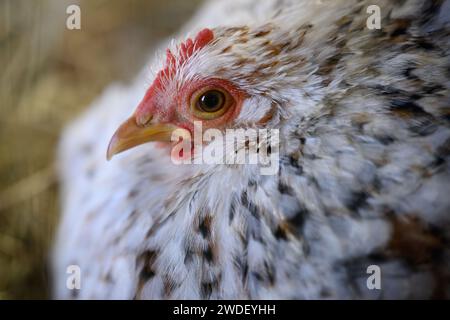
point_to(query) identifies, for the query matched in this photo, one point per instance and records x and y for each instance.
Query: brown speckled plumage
(364, 178)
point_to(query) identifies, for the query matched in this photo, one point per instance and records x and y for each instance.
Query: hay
(50, 74)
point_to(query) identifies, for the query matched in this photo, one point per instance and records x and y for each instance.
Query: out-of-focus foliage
(49, 74)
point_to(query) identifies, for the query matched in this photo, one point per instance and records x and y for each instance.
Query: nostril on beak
(143, 119)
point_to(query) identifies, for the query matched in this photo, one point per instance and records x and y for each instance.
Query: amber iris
(211, 103)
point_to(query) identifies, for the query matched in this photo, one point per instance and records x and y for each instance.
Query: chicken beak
(130, 134)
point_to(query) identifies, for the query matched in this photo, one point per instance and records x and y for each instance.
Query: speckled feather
(364, 170)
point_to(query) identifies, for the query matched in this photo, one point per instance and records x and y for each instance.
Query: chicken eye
(211, 103)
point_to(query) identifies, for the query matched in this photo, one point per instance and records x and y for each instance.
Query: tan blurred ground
(49, 74)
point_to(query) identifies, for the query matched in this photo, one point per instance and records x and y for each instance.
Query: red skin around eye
(158, 105)
(180, 114)
(174, 107)
(149, 105)
(185, 117)
(177, 109)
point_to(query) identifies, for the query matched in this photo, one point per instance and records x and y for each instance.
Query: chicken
(364, 161)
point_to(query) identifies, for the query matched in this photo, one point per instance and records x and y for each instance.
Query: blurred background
(49, 74)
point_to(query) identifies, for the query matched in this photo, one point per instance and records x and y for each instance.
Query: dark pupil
(211, 100)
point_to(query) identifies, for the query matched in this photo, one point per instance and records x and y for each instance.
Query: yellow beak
(130, 135)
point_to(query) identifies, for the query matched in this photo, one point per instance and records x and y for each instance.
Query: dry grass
(49, 74)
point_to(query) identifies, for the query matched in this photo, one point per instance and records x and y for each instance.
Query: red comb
(185, 51)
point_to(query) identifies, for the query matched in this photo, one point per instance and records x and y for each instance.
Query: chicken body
(364, 168)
